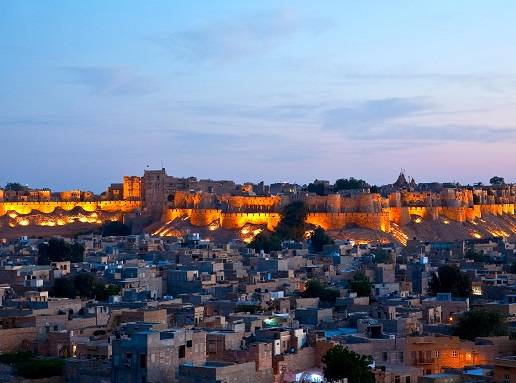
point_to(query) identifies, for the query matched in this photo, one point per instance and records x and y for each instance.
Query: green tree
(382, 256)
(449, 279)
(341, 363)
(479, 323)
(315, 289)
(360, 284)
(103, 292)
(63, 288)
(57, 250)
(292, 225)
(40, 368)
(497, 180)
(84, 285)
(318, 239)
(351, 183)
(15, 186)
(29, 367)
(115, 228)
(477, 257)
(316, 187)
(374, 189)
(266, 242)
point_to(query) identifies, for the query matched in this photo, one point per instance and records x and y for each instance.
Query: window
(455, 353)
(397, 379)
(189, 343)
(400, 357)
(407, 379)
(436, 353)
(385, 356)
(143, 360)
(182, 351)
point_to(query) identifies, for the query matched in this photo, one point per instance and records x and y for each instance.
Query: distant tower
(401, 182)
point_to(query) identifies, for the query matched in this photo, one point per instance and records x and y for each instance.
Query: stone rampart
(49, 207)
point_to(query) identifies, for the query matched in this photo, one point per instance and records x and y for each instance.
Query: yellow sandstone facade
(156, 194)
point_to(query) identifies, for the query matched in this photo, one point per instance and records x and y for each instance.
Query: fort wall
(334, 211)
(23, 208)
(227, 220)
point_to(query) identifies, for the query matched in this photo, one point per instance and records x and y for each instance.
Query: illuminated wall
(204, 217)
(23, 208)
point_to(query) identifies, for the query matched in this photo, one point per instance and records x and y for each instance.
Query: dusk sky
(91, 91)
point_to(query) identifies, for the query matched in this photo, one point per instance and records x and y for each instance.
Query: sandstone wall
(17, 339)
(49, 207)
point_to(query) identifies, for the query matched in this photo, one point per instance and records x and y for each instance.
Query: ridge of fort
(156, 200)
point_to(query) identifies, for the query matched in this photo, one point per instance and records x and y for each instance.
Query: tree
(360, 284)
(84, 285)
(382, 256)
(477, 257)
(63, 288)
(512, 268)
(318, 239)
(351, 183)
(115, 228)
(266, 242)
(315, 289)
(15, 186)
(497, 180)
(341, 363)
(316, 187)
(292, 224)
(29, 367)
(374, 189)
(479, 323)
(40, 368)
(57, 250)
(449, 279)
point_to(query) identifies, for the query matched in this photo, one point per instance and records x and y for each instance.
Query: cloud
(228, 40)
(458, 132)
(491, 82)
(362, 117)
(271, 111)
(389, 120)
(111, 80)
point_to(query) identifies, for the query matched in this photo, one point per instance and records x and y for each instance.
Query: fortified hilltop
(158, 200)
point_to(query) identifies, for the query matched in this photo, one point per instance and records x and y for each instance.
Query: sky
(94, 90)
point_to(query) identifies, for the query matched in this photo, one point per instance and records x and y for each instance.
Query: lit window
(455, 353)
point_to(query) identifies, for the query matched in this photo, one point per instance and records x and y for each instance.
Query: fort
(157, 197)
(48, 207)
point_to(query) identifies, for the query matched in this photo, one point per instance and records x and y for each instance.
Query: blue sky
(270, 90)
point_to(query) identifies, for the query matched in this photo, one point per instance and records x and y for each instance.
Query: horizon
(256, 91)
(238, 182)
